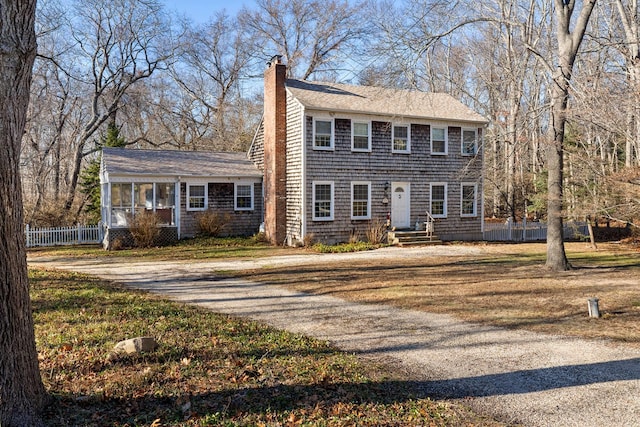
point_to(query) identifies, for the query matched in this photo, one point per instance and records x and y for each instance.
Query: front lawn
(505, 285)
(187, 249)
(209, 369)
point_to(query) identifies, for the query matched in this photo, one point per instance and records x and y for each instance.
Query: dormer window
(323, 134)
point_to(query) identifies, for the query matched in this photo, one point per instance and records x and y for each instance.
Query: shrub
(343, 247)
(211, 223)
(118, 244)
(145, 229)
(260, 238)
(376, 232)
(49, 214)
(309, 240)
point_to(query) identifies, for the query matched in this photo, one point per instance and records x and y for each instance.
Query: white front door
(400, 205)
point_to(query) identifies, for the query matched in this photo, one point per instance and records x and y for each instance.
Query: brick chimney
(275, 156)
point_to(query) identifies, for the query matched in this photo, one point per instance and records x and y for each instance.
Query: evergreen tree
(90, 176)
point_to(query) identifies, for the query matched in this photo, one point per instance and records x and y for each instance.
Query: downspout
(177, 207)
(262, 226)
(481, 147)
(303, 177)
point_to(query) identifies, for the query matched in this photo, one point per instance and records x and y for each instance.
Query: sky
(202, 10)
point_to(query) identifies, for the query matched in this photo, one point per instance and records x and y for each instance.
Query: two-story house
(336, 157)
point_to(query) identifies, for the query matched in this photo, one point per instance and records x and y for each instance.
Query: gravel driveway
(518, 376)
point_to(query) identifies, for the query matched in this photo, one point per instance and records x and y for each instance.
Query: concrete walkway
(518, 376)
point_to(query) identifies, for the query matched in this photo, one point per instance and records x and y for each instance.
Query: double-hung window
(438, 140)
(438, 202)
(323, 134)
(401, 139)
(196, 197)
(243, 197)
(360, 200)
(360, 136)
(469, 142)
(322, 200)
(468, 199)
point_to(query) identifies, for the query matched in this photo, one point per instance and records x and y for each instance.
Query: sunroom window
(130, 199)
(121, 203)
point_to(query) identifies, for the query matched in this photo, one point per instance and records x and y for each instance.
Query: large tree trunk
(556, 256)
(22, 394)
(568, 44)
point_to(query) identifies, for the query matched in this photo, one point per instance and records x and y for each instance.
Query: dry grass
(506, 286)
(209, 370)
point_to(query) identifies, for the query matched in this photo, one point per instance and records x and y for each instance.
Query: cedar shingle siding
(221, 201)
(294, 170)
(170, 172)
(380, 166)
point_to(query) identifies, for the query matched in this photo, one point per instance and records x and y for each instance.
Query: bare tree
(215, 57)
(123, 42)
(569, 41)
(22, 394)
(309, 34)
(630, 21)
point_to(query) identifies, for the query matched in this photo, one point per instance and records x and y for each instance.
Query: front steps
(411, 238)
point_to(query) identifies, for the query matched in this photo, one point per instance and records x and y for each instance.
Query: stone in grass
(136, 345)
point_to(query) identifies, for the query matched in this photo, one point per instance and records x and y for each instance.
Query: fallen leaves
(211, 369)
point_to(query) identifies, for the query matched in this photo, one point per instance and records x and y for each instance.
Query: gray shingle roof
(382, 101)
(124, 161)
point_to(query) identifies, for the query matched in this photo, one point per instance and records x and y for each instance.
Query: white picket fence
(529, 231)
(76, 235)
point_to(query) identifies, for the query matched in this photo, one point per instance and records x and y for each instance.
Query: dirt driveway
(518, 376)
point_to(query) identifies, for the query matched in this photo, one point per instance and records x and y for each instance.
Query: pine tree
(90, 176)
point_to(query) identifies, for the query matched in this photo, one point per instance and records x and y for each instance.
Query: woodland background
(131, 72)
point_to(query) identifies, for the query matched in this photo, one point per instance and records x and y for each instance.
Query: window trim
(331, 137)
(475, 199)
(206, 197)
(438, 184)
(475, 141)
(393, 137)
(313, 201)
(235, 196)
(446, 140)
(368, 184)
(353, 136)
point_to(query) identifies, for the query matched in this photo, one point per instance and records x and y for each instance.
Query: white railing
(529, 231)
(428, 225)
(75, 235)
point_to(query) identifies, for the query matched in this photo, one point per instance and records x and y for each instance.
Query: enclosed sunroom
(177, 186)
